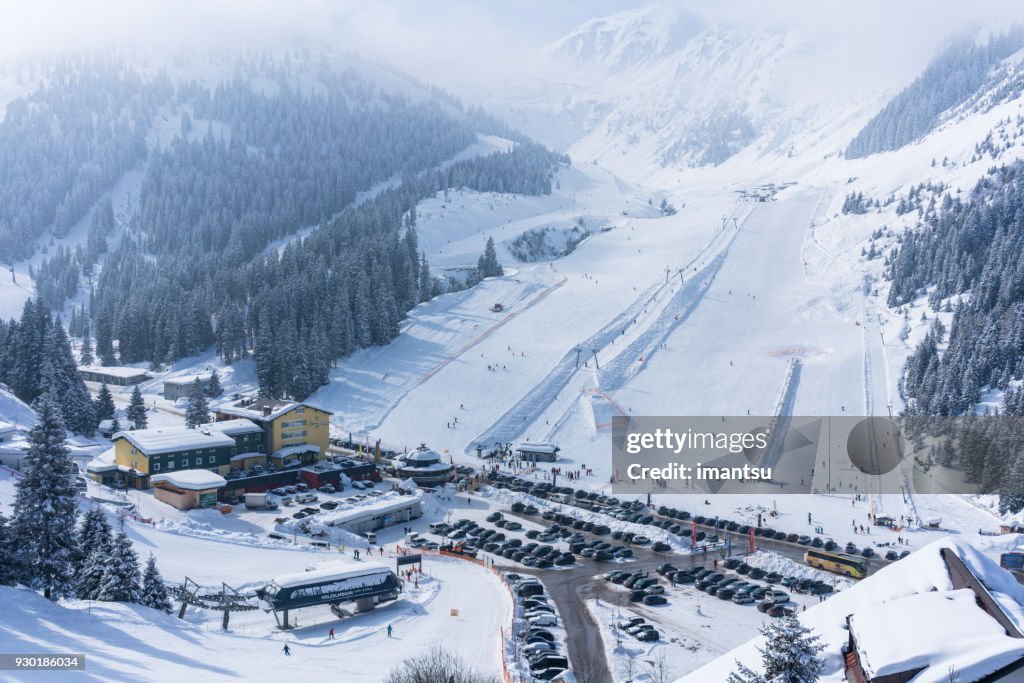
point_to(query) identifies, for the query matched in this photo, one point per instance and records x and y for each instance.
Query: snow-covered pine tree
(115, 426)
(137, 409)
(61, 379)
(104, 404)
(789, 655)
(198, 409)
(121, 581)
(93, 531)
(154, 590)
(7, 573)
(487, 265)
(213, 387)
(97, 548)
(104, 341)
(46, 508)
(85, 356)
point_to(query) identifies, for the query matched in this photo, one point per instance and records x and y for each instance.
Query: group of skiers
(330, 636)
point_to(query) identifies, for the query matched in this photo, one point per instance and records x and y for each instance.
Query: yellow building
(145, 452)
(290, 430)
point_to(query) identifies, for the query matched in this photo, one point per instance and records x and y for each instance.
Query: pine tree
(137, 409)
(105, 408)
(85, 356)
(94, 531)
(154, 590)
(7, 573)
(61, 379)
(487, 265)
(104, 341)
(213, 387)
(198, 409)
(46, 507)
(95, 542)
(121, 582)
(789, 655)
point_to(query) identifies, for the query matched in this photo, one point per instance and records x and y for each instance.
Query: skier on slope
(287, 650)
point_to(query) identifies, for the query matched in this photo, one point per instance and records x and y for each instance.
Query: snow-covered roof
(6, 427)
(191, 480)
(352, 511)
(262, 408)
(910, 615)
(246, 456)
(233, 427)
(926, 618)
(171, 439)
(114, 371)
(186, 380)
(421, 455)
(295, 450)
(537, 447)
(332, 571)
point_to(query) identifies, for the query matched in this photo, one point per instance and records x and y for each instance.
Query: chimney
(266, 411)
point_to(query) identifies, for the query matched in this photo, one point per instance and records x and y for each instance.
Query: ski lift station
(538, 452)
(366, 584)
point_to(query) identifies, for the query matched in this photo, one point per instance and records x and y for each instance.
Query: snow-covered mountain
(660, 88)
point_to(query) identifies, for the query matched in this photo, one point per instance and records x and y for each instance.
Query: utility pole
(667, 271)
(681, 280)
(578, 350)
(881, 328)
(595, 358)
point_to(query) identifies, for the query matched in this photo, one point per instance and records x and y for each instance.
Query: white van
(438, 528)
(561, 498)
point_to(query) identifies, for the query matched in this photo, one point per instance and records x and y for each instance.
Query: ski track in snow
(672, 312)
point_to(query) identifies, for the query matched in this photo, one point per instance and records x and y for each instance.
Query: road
(570, 588)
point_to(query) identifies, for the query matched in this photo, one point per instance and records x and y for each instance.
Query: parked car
(655, 600)
(780, 611)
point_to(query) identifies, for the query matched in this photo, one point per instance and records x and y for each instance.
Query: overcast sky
(459, 43)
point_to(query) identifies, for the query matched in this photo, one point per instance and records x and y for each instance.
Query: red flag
(693, 534)
(751, 539)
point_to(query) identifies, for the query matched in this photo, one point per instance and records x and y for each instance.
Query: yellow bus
(854, 567)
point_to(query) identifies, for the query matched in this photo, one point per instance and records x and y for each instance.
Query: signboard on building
(207, 499)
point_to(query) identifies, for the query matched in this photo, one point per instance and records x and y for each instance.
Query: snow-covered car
(545, 620)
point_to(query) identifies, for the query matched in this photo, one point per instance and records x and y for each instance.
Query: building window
(184, 462)
(156, 467)
(300, 410)
(293, 423)
(170, 464)
(294, 435)
(213, 459)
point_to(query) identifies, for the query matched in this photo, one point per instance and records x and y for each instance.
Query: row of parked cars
(639, 629)
(531, 554)
(539, 647)
(642, 587)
